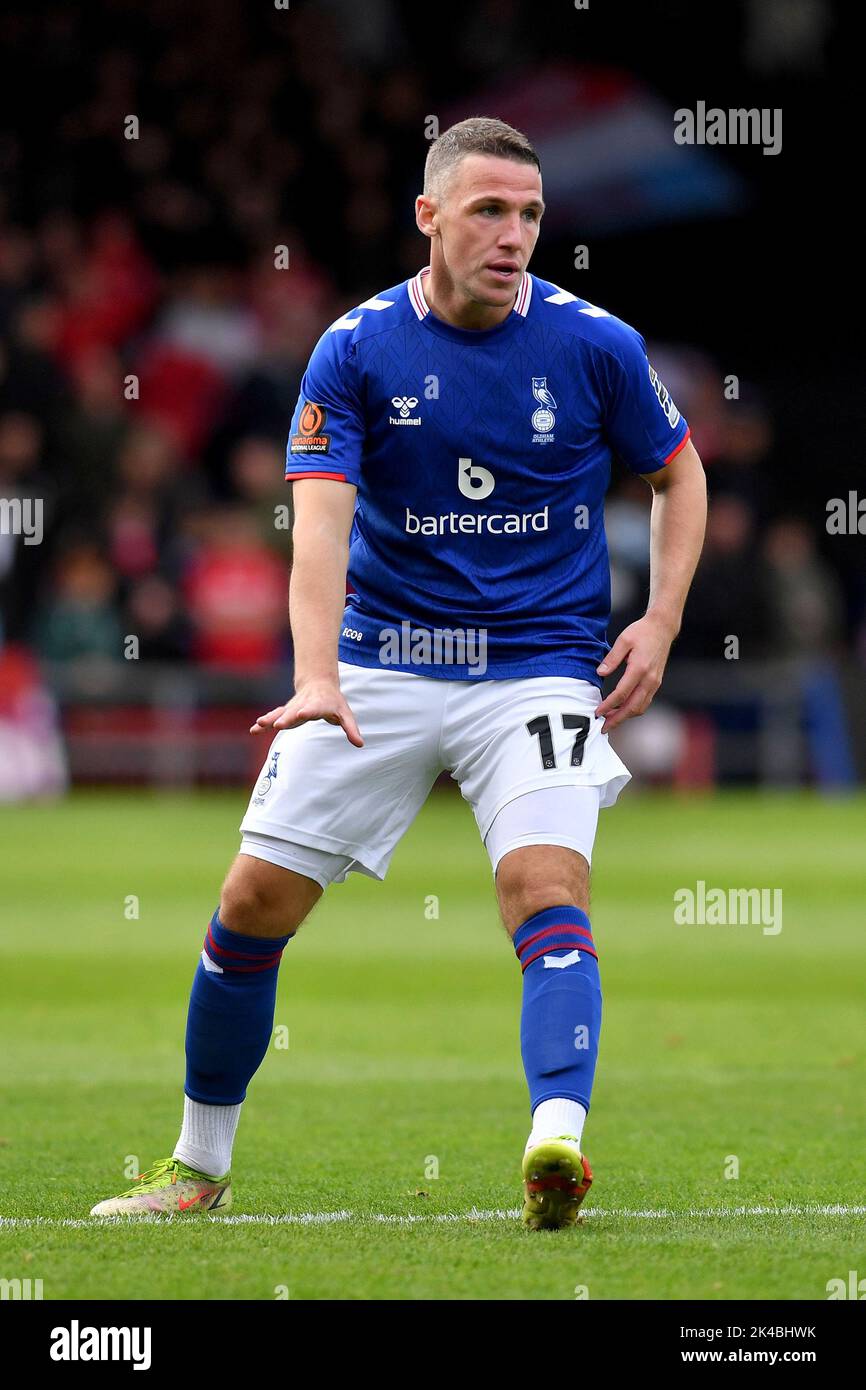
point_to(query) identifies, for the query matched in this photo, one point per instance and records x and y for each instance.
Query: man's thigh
(318, 791)
(505, 740)
(540, 846)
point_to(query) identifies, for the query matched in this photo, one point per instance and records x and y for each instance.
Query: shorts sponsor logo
(543, 419)
(311, 437)
(437, 646)
(671, 413)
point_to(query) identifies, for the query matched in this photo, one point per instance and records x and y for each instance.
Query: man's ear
(426, 218)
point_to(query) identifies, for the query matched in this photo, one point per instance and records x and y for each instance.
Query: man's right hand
(316, 699)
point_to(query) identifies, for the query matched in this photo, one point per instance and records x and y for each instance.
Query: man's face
(486, 225)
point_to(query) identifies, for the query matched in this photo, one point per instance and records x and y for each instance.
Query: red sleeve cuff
(338, 477)
(685, 439)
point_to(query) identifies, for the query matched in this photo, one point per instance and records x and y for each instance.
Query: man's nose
(510, 231)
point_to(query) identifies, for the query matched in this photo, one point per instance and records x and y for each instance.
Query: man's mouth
(503, 270)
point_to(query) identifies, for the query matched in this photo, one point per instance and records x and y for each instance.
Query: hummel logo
(405, 405)
(560, 962)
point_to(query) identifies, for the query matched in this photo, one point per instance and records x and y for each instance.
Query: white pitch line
(323, 1218)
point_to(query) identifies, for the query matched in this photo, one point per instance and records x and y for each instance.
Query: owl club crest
(266, 781)
(543, 419)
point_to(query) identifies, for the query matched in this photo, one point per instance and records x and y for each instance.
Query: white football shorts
(528, 755)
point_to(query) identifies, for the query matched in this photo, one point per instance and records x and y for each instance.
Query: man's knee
(536, 877)
(262, 899)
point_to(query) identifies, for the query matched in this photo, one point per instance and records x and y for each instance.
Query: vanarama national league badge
(311, 437)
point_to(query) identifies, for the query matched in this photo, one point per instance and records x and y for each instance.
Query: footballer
(449, 453)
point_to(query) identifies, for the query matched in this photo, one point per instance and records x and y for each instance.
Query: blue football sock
(231, 1013)
(561, 1019)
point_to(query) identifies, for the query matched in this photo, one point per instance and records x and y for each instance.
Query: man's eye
(492, 208)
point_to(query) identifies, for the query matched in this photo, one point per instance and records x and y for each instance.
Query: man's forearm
(677, 525)
(317, 598)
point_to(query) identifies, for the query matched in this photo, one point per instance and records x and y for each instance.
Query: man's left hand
(644, 646)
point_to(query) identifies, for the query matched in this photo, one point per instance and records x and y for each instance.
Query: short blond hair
(476, 135)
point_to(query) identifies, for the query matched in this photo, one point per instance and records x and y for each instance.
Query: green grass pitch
(721, 1046)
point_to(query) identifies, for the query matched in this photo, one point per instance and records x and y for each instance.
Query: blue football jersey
(481, 459)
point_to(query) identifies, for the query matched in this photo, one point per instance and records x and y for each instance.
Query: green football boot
(169, 1188)
(556, 1178)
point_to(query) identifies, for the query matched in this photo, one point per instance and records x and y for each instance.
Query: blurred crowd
(151, 349)
(762, 578)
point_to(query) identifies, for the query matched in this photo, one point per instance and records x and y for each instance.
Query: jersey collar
(417, 298)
